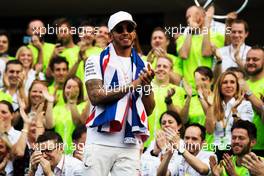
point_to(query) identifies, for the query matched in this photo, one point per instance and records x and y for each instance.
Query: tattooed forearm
(99, 95)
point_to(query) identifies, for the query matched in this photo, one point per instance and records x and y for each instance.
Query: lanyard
(230, 53)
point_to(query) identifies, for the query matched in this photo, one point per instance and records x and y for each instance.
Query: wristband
(153, 154)
(168, 101)
(219, 62)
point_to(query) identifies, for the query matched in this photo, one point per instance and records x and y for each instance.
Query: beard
(245, 150)
(256, 72)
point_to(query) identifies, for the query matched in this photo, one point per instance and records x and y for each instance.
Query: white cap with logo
(119, 17)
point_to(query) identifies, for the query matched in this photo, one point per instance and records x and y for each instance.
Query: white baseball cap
(119, 17)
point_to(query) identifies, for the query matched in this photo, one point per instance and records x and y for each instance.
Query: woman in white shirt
(150, 160)
(31, 72)
(228, 106)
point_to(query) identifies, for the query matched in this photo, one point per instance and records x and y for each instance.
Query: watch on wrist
(181, 148)
(248, 93)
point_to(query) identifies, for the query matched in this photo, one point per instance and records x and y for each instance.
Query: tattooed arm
(98, 95)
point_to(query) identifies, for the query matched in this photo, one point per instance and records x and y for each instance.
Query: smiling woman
(25, 56)
(228, 107)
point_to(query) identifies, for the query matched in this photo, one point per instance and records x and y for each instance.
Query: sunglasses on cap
(120, 28)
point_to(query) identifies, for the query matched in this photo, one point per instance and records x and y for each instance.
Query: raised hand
(47, 96)
(151, 56)
(83, 47)
(35, 160)
(187, 88)
(254, 164)
(170, 93)
(216, 52)
(215, 169)
(161, 140)
(6, 81)
(229, 166)
(173, 137)
(45, 164)
(159, 52)
(146, 75)
(36, 42)
(58, 49)
(209, 16)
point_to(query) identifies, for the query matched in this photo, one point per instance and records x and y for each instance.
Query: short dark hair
(58, 60)
(247, 125)
(14, 62)
(202, 129)
(205, 71)
(77, 133)
(60, 21)
(50, 135)
(8, 104)
(177, 118)
(86, 23)
(236, 69)
(174, 114)
(257, 47)
(5, 33)
(240, 21)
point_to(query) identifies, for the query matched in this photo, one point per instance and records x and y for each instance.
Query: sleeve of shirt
(218, 39)
(245, 111)
(180, 42)
(178, 97)
(92, 68)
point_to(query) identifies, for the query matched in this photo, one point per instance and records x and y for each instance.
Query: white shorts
(100, 160)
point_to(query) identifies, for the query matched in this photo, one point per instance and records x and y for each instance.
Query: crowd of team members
(209, 100)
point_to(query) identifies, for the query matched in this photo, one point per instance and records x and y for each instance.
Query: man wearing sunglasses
(118, 119)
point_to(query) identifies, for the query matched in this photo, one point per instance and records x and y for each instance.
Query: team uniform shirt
(228, 58)
(223, 136)
(176, 63)
(59, 94)
(47, 50)
(257, 87)
(239, 170)
(64, 125)
(160, 92)
(197, 115)
(71, 55)
(215, 26)
(195, 58)
(5, 96)
(178, 166)
(93, 51)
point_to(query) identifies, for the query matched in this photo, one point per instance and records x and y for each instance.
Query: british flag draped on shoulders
(129, 109)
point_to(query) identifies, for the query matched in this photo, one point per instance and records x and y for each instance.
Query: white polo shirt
(228, 58)
(178, 166)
